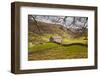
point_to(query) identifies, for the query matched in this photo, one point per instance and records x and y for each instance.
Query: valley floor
(52, 51)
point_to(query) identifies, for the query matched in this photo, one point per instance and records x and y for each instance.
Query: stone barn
(57, 39)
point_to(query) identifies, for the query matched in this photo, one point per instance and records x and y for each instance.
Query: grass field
(51, 51)
(72, 46)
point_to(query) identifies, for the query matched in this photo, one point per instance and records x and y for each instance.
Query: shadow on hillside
(72, 44)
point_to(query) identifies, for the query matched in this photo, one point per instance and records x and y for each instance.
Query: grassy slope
(55, 51)
(71, 41)
(40, 48)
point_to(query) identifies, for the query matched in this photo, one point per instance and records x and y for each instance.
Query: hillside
(45, 28)
(41, 32)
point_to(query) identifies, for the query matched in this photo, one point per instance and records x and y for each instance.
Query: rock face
(57, 39)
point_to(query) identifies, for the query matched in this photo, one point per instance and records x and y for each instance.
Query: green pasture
(55, 51)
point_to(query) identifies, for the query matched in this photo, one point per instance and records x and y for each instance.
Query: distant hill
(45, 28)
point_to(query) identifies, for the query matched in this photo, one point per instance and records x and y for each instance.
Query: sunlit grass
(41, 47)
(55, 51)
(70, 41)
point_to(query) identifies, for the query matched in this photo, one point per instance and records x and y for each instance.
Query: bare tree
(33, 18)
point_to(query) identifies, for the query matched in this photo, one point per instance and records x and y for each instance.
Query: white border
(25, 64)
